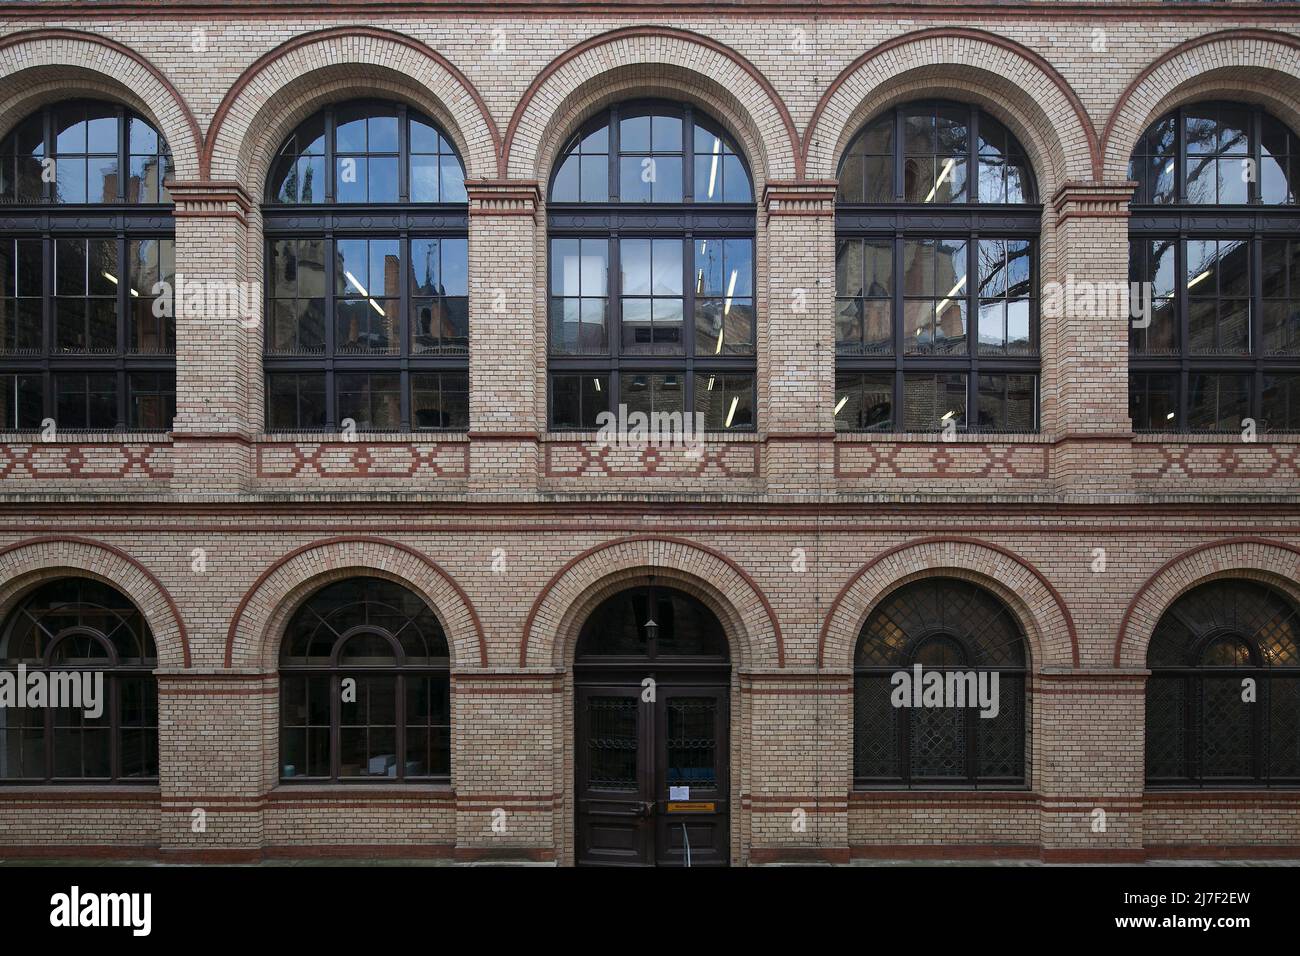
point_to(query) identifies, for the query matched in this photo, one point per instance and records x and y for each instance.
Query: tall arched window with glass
(651, 288)
(87, 263)
(1214, 256)
(936, 276)
(367, 288)
(365, 687)
(1223, 698)
(82, 634)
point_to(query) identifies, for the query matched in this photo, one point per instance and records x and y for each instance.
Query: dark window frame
(115, 674)
(330, 222)
(969, 221)
(1179, 222)
(690, 222)
(945, 632)
(1191, 676)
(47, 220)
(336, 670)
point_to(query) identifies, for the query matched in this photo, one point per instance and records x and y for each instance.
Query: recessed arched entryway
(652, 715)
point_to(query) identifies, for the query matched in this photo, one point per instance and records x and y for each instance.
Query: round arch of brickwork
(38, 67)
(1037, 605)
(1257, 66)
(556, 617)
(301, 76)
(1011, 82)
(652, 61)
(25, 564)
(1258, 559)
(258, 623)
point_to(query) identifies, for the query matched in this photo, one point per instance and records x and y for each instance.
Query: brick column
(217, 745)
(799, 743)
(1091, 353)
(1088, 756)
(216, 339)
(503, 349)
(503, 763)
(797, 337)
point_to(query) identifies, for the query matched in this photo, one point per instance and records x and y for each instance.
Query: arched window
(365, 687)
(87, 332)
(1212, 239)
(936, 276)
(72, 631)
(1223, 698)
(652, 302)
(367, 288)
(660, 623)
(973, 733)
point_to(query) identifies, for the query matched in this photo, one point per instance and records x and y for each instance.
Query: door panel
(631, 753)
(691, 753)
(613, 777)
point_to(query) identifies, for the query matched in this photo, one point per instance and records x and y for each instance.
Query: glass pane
(612, 743)
(692, 742)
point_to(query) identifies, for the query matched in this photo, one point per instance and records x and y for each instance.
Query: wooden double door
(652, 770)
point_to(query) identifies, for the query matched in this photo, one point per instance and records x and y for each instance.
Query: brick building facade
(791, 533)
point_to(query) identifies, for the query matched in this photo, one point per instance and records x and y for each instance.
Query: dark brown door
(652, 784)
(614, 782)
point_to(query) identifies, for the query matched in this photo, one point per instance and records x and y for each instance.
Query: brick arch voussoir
(572, 592)
(253, 638)
(1012, 81)
(24, 564)
(1042, 612)
(253, 117)
(1265, 63)
(35, 63)
(691, 60)
(1260, 559)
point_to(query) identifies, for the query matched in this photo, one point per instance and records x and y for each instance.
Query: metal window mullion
(688, 313)
(404, 266)
(972, 340)
(404, 156)
(123, 157)
(1184, 319)
(331, 188)
(331, 292)
(972, 151)
(896, 310)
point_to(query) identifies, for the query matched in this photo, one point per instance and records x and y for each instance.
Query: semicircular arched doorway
(651, 678)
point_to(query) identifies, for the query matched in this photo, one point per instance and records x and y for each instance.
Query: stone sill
(361, 438)
(86, 438)
(381, 791)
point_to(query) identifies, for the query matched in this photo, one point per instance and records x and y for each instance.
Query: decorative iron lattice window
(365, 687)
(367, 275)
(951, 627)
(936, 274)
(1223, 698)
(79, 625)
(1214, 239)
(87, 272)
(652, 271)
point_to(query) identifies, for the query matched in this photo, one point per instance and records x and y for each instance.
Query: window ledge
(1214, 438)
(383, 791)
(17, 790)
(359, 438)
(85, 438)
(667, 441)
(933, 438)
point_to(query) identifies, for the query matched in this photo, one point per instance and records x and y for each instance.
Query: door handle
(647, 810)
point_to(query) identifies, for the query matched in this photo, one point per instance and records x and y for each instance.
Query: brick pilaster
(796, 337)
(217, 304)
(504, 349)
(1091, 337)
